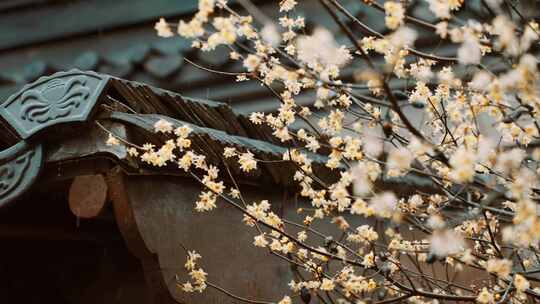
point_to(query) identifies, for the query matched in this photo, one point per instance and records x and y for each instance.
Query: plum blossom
(320, 48)
(287, 5)
(163, 126)
(445, 243)
(270, 34)
(163, 29)
(384, 204)
(395, 14)
(469, 52)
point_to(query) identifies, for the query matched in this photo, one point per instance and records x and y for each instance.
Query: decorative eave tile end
(19, 167)
(60, 98)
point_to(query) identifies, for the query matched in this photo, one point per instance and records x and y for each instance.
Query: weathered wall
(164, 210)
(165, 215)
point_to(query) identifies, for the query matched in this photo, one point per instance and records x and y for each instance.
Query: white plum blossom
(395, 14)
(469, 52)
(463, 165)
(163, 126)
(480, 81)
(445, 243)
(364, 175)
(441, 29)
(320, 48)
(252, 62)
(270, 34)
(399, 161)
(442, 8)
(112, 140)
(285, 300)
(396, 150)
(287, 5)
(373, 146)
(403, 36)
(260, 241)
(163, 29)
(384, 204)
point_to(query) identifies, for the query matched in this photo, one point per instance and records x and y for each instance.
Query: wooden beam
(157, 290)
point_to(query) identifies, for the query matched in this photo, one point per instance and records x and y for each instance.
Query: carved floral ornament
(61, 98)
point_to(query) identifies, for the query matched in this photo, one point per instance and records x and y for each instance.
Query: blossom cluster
(435, 155)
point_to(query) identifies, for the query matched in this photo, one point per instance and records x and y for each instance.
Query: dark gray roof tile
(36, 69)
(118, 70)
(164, 66)
(87, 61)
